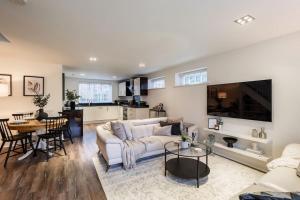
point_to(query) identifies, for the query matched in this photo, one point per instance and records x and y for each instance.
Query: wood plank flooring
(62, 177)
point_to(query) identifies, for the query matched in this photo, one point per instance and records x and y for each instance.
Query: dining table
(30, 125)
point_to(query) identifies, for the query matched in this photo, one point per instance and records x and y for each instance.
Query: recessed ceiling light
(244, 20)
(114, 77)
(142, 65)
(82, 74)
(93, 59)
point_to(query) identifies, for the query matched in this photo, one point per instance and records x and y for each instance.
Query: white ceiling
(160, 33)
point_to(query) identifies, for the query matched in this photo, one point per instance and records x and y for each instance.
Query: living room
(121, 62)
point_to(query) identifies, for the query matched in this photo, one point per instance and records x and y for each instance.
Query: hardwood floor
(62, 177)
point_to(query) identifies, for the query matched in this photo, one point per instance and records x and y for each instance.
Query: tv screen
(246, 100)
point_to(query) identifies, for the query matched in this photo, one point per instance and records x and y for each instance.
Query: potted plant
(184, 141)
(41, 101)
(72, 97)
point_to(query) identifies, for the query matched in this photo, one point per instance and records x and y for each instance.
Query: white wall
(71, 83)
(19, 103)
(277, 59)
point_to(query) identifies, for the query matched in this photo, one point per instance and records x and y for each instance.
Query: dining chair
(66, 127)
(7, 136)
(18, 116)
(53, 134)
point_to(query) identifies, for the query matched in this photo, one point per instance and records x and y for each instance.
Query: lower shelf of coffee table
(186, 168)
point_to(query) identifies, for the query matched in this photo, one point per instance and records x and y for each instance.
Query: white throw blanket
(132, 151)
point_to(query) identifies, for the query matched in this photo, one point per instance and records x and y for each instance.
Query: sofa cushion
(175, 130)
(118, 130)
(291, 151)
(163, 131)
(139, 147)
(152, 143)
(282, 179)
(165, 139)
(142, 131)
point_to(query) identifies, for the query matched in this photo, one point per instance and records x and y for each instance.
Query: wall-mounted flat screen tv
(245, 100)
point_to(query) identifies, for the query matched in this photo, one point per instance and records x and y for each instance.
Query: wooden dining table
(27, 126)
(31, 125)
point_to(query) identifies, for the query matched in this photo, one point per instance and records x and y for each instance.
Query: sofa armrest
(107, 137)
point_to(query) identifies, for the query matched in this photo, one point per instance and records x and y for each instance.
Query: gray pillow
(162, 131)
(298, 170)
(118, 130)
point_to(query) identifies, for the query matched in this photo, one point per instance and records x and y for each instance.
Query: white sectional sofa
(110, 145)
(283, 177)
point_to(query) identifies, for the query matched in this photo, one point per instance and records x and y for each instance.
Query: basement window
(191, 77)
(156, 83)
(95, 93)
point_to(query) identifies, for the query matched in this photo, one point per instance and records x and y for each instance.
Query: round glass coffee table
(187, 164)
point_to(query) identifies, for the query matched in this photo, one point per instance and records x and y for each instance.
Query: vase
(72, 105)
(40, 114)
(184, 144)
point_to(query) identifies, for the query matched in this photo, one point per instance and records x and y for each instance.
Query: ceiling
(123, 33)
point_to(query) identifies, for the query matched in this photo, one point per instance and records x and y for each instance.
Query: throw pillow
(176, 120)
(107, 126)
(175, 130)
(298, 170)
(142, 131)
(118, 130)
(162, 131)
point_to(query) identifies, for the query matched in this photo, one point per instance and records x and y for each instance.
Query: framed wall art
(33, 85)
(212, 123)
(7, 79)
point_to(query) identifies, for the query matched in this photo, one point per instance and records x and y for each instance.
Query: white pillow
(162, 131)
(291, 151)
(142, 131)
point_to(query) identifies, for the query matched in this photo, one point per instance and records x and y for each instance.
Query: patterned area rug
(147, 181)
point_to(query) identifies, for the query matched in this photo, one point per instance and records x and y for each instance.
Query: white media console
(239, 153)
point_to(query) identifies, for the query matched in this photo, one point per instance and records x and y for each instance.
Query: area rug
(147, 181)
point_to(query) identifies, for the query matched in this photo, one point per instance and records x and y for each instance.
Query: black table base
(187, 168)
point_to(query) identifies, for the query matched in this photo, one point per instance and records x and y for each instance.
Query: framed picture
(33, 85)
(7, 78)
(212, 123)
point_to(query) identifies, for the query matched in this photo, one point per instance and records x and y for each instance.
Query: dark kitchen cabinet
(140, 86)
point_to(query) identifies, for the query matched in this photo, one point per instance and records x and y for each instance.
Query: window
(155, 83)
(193, 77)
(95, 93)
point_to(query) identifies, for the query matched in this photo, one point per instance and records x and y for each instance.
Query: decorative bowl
(230, 141)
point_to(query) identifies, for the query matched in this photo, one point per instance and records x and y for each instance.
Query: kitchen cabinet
(125, 88)
(140, 86)
(137, 113)
(122, 89)
(101, 113)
